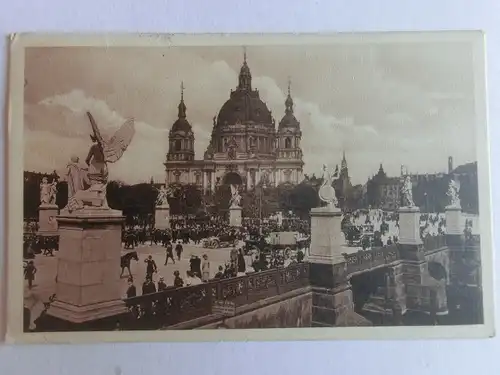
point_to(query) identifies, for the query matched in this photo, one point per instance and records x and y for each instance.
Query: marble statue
(87, 185)
(452, 193)
(327, 192)
(163, 195)
(76, 176)
(407, 192)
(235, 197)
(48, 191)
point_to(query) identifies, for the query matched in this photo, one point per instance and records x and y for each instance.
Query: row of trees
(140, 199)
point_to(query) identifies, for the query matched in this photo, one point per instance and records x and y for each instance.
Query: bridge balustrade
(367, 259)
(176, 305)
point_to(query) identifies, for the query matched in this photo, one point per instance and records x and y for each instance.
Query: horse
(125, 261)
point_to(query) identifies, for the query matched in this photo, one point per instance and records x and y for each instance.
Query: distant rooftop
(466, 168)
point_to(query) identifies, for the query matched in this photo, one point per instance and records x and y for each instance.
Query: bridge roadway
(45, 285)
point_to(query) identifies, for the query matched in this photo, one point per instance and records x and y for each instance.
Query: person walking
(178, 250)
(29, 273)
(169, 253)
(150, 267)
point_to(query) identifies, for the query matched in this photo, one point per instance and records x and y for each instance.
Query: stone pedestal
(162, 217)
(455, 223)
(409, 226)
(47, 222)
(327, 238)
(396, 288)
(235, 216)
(88, 286)
(332, 293)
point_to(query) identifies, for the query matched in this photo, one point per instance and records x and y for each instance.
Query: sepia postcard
(248, 187)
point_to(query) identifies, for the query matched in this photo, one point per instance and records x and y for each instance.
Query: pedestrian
(29, 273)
(220, 273)
(161, 284)
(178, 282)
(150, 267)
(205, 269)
(132, 290)
(178, 250)
(169, 253)
(148, 287)
(197, 266)
(241, 262)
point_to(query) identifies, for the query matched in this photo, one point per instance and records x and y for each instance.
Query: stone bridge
(413, 275)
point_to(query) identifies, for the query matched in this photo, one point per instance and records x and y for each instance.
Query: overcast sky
(410, 104)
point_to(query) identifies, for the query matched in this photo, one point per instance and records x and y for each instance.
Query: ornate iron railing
(364, 260)
(176, 305)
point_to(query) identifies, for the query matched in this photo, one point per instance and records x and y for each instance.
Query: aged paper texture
(248, 187)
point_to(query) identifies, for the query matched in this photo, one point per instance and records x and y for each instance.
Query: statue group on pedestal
(87, 183)
(327, 192)
(453, 194)
(234, 201)
(48, 191)
(163, 195)
(407, 193)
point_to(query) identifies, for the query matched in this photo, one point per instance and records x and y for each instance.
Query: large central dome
(243, 107)
(244, 104)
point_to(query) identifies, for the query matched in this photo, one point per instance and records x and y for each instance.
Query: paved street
(44, 284)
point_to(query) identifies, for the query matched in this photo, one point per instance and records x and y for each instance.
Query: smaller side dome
(289, 120)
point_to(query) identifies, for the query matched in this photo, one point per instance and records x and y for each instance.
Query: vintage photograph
(239, 182)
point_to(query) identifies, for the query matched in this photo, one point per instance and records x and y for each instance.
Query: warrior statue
(163, 195)
(407, 192)
(452, 193)
(87, 184)
(235, 197)
(327, 191)
(48, 191)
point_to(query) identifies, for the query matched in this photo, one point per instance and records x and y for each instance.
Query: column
(212, 177)
(249, 182)
(205, 181)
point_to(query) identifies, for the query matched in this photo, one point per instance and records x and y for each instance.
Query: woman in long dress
(205, 269)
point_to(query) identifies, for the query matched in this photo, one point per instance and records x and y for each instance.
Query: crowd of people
(256, 255)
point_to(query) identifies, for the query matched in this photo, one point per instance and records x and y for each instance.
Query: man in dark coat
(132, 290)
(169, 253)
(161, 284)
(178, 250)
(148, 287)
(150, 267)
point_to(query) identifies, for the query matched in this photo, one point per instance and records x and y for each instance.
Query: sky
(395, 104)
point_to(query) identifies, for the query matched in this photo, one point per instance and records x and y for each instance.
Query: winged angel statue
(235, 197)
(327, 192)
(87, 183)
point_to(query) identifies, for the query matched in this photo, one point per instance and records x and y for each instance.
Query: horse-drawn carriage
(226, 240)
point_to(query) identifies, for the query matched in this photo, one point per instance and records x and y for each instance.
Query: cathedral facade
(246, 147)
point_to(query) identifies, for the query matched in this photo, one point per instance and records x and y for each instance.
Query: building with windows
(246, 147)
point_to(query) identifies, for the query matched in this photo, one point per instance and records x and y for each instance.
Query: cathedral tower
(181, 142)
(289, 153)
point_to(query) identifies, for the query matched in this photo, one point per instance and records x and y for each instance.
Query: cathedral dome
(244, 104)
(243, 107)
(181, 125)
